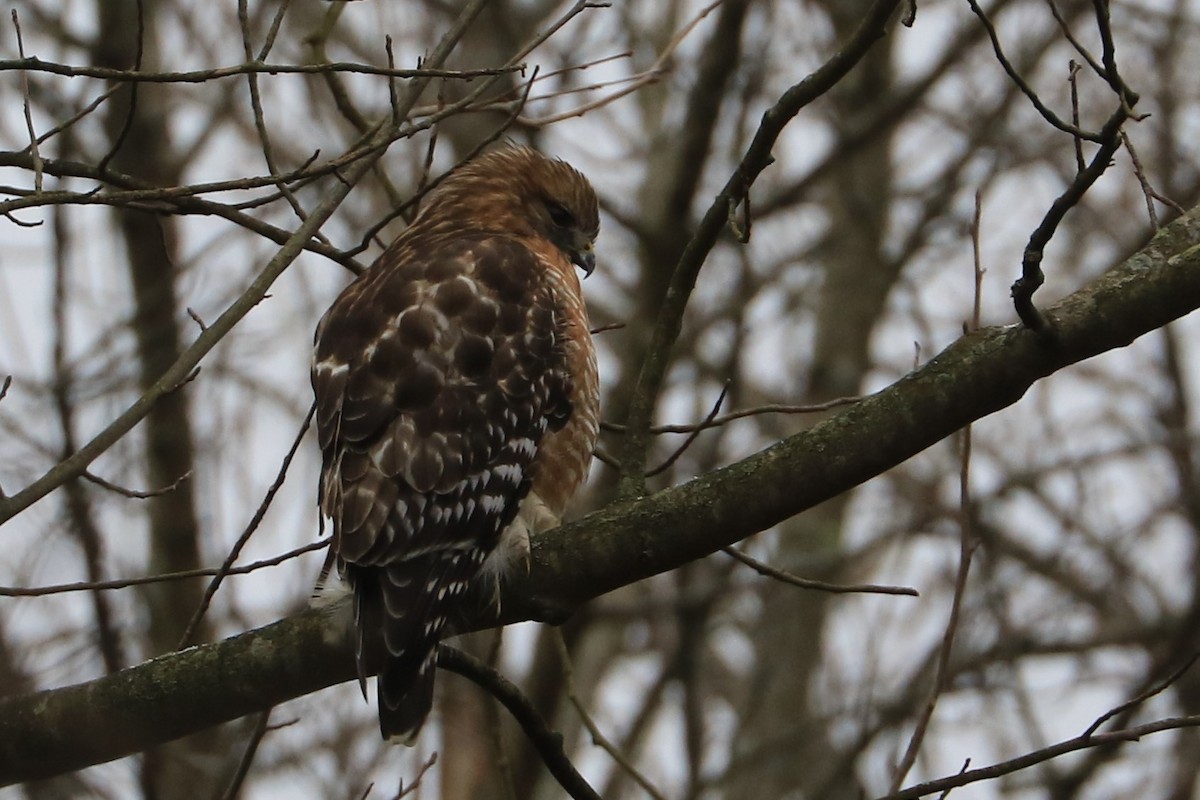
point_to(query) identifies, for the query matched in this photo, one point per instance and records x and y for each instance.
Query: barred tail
(403, 606)
(405, 698)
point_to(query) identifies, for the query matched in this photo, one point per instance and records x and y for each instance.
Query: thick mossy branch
(977, 375)
(65, 729)
(56, 731)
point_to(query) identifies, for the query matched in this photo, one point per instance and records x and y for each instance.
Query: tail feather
(405, 699)
(400, 612)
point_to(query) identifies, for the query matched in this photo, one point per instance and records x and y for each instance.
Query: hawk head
(517, 191)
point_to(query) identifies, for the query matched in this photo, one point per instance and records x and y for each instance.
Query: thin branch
(598, 738)
(33, 138)
(1109, 139)
(605, 458)
(543, 35)
(256, 112)
(124, 583)
(632, 83)
(1070, 37)
(402, 209)
(767, 570)
(769, 408)
(1148, 190)
(191, 312)
(1040, 756)
(81, 516)
(548, 743)
(273, 32)
(68, 123)
(1025, 88)
(679, 451)
(134, 494)
(1072, 79)
(131, 109)
(249, 68)
(1158, 688)
(405, 791)
(251, 527)
(1031, 261)
(683, 278)
(261, 726)
(505, 787)
(364, 160)
(968, 542)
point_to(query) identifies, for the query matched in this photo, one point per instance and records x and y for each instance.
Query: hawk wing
(436, 373)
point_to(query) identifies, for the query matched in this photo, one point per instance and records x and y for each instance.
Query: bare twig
(33, 138)
(679, 451)
(81, 515)
(1148, 190)
(1040, 756)
(1157, 688)
(251, 527)
(243, 768)
(544, 34)
(633, 83)
(260, 124)
(767, 570)
(769, 408)
(683, 278)
(1070, 37)
(402, 209)
(968, 543)
(598, 738)
(977, 257)
(131, 109)
(612, 326)
(1072, 79)
(254, 67)
(505, 788)
(405, 791)
(124, 583)
(1108, 138)
(431, 149)
(606, 458)
(1031, 262)
(196, 319)
(548, 743)
(363, 160)
(1021, 83)
(134, 494)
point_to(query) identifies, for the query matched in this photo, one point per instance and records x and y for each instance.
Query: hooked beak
(585, 259)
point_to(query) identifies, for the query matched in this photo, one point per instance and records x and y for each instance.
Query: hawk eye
(559, 214)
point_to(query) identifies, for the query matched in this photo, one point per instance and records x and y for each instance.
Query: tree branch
(632, 452)
(364, 158)
(59, 730)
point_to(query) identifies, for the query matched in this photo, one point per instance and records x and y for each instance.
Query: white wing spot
(509, 473)
(331, 367)
(492, 505)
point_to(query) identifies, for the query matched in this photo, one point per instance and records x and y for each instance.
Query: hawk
(457, 405)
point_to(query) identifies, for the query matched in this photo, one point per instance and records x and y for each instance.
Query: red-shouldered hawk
(457, 404)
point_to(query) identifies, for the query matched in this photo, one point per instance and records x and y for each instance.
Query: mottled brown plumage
(457, 404)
